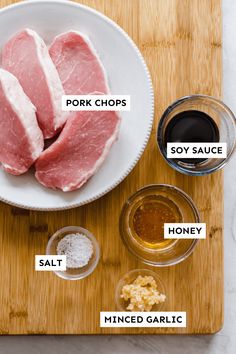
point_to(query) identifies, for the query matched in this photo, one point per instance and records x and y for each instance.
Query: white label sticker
(185, 230)
(143, 319)
(196, 150)
(48, 263)
(96, 103)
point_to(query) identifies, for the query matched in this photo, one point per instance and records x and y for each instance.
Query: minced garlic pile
(142, 294)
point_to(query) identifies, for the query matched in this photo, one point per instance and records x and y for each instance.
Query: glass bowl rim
(193, 243)
(160, 143)
(87, 233)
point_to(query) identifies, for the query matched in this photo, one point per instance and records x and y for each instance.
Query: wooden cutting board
(181, 42)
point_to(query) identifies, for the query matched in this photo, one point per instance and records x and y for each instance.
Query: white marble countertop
(222, 342)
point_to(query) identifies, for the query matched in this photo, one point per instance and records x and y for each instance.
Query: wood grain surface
(181, 42)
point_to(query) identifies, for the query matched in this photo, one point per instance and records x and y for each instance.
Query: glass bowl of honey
(142, 224)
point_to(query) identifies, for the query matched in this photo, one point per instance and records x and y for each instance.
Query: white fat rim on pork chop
(52, 78)
(93, 50)
(24, 109)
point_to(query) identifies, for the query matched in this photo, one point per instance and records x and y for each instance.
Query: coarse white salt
(77, 248)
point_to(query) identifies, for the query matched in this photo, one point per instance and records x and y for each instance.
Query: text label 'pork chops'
(96, 103)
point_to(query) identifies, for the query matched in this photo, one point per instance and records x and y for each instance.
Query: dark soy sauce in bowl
(191, 126)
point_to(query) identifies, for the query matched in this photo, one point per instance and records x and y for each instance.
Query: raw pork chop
(21, 140)
(87, 136)
(26, 56)
(79, 67)
(79, 151)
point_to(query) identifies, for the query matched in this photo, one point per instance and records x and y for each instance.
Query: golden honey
(149, 217)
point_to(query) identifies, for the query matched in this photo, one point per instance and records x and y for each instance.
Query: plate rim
(151, 93)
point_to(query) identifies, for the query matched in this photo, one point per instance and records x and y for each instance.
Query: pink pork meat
(80, 70)
(21, 140)
(26, 56)
(87, 136)
(79, 151)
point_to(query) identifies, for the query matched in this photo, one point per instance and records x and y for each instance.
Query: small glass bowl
(74, 273)
(171, 251)
(129, 278)
(223, 118)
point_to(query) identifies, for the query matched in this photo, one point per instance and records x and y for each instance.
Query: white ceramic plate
(127, 74)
